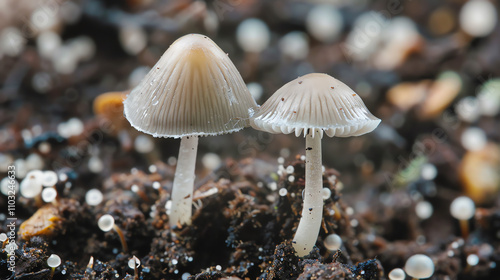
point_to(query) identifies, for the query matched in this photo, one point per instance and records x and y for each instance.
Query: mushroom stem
(312, 211)
(122, 238)
(464, 228)
(182, 190)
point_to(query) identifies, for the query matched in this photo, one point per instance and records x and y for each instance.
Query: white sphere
(472, 259)
(397, 274)
(43, 18)
(48, 42)
(133, 39)
(256, 90)
(324, 22)
(21, 168)
(478, 18)
(424, 210)
(462, 208)
(283, 192)
(6, 185)
(12, 41)
(83, 47)
(326, 193)
(333, 242)
(419, 266)
(75, 126)
(34, 161)
(473, 139)
(134, 262)
(295, 45)
(489, 97)
(428, 171)
(49, 194)
(95, 164)
(211, 161)
(144, 144)
(93, 197)
(65, 62)
(253, 35)
(54, 261)
(106, 222)
(31, 186)
(468, 109)
(49, 178)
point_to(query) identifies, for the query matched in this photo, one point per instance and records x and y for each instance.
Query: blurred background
(429, 69)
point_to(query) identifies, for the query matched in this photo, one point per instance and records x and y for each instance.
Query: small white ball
(48, 43)
(93, 197)
(326, 193)
(462, 208)
(397, 274)
(95, 164)
(478, 18)
(333, 242)
(256, 90)
(211, 161)
(34, 161)
(473, 139)
(428, 171)
(49, 195)
(7, 185)
(83, 47)
(282, 192)
(144, 144)
(49, 178)
(295, 45)
(54, 261)
(419, 266)
(472, 260)
(134, 262)
(106, 222)
(133, 39)
(12, 41)
(324, 22)
(253, 35)
(424, 210)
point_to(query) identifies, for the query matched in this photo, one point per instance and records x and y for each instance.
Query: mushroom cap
(318, 102)
(193, 90)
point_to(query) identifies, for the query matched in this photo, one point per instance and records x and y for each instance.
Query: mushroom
(193, 90)
(463, 209)
(419, 266)
(313, 104)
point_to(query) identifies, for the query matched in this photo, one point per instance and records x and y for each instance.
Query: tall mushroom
(313, 104)
(193, 90)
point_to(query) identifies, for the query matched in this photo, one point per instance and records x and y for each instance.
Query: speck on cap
(194, 89)
(315, 101)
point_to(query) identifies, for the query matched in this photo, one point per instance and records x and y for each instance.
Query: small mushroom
(193, 90)
(313, 104)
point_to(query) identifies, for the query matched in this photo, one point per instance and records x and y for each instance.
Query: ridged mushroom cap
(194, 89)
(318, 102)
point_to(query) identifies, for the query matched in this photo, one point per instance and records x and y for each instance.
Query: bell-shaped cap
(194, 89)
(318, 102)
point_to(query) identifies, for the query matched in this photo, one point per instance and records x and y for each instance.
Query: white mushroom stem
(182, 190)
(312, 211)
